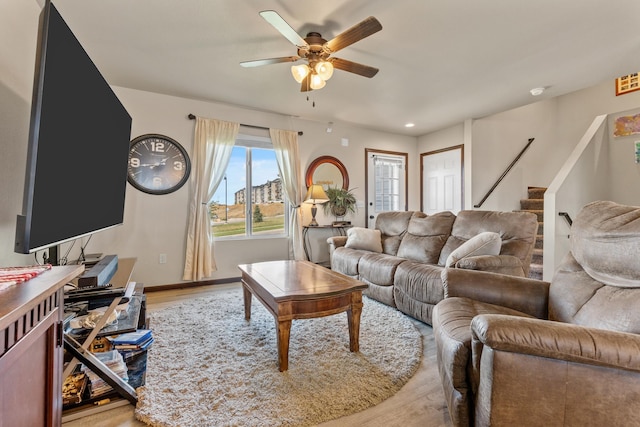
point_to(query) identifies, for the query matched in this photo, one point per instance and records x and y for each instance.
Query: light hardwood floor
(419, 403)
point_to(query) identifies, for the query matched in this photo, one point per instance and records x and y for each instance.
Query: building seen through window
(250, 201)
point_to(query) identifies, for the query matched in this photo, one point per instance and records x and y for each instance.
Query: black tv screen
(79, 137)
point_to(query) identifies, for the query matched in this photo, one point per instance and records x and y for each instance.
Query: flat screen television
(76, 172)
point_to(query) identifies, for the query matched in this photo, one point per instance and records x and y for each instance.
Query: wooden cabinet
(31, 349)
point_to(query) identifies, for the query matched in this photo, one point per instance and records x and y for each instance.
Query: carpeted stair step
(532, 204)
(539, 213)
(537, 256)
(535, 271)
(539, 241)
(535, 204)
(536, 192)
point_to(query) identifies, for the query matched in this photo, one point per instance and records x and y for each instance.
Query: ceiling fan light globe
(317, 82)
(324, 69)
(299, 72)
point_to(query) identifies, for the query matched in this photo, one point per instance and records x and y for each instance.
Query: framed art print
(626, 84)
(627, 125)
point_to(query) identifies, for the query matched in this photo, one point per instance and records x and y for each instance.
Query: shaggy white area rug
(209, 366)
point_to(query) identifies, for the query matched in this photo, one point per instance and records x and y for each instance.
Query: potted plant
(340, 202)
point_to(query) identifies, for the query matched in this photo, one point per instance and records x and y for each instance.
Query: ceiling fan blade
(353, 67)
(272, 17)
(356, 33)
(260, 62)
(305, 86)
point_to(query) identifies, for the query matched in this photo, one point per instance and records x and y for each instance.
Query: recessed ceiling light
(537, 91)
(409, 125)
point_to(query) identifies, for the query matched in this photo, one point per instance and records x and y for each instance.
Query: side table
(340, 230)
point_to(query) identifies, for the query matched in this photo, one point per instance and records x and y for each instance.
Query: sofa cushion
(605, 242)
(501, 264)
(421, 282)
(485, 243)
(576, 297)
(517, 230)
(392, 225)
(345, 260)
(379, 268)
(364, 238)
(425, 237)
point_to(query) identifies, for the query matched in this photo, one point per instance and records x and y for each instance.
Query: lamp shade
(299, 72)
(324, 69)
(317, 82)
(316, 194)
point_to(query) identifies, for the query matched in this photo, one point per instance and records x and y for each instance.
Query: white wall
(18, 31)
(557, 124)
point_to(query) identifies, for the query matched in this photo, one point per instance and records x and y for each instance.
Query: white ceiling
(440, 61)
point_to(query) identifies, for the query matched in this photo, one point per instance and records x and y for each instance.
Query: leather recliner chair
(517, 351)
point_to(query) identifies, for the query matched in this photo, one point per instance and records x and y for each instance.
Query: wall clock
(157, 164)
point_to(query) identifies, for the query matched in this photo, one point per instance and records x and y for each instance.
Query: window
(388, 179)
(250, 201)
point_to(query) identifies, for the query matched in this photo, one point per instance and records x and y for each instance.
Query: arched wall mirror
(328, 172)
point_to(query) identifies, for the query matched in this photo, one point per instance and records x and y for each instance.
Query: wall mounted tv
(79, 135)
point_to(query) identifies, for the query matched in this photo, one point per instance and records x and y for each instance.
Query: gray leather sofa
(415, 247)
(515, 351)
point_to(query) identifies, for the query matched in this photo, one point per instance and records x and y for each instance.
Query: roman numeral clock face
(157, 164)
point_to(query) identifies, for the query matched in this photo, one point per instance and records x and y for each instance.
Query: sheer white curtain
(285, 144)
(213, 143)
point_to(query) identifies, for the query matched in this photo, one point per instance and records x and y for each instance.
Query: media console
(31, 349)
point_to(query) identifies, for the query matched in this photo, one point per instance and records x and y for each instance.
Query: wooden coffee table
(301, 290)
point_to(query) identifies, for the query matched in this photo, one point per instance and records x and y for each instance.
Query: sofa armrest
(544, 371)
(526, 295)
(336, 241)
(502, 264)
(560, 341)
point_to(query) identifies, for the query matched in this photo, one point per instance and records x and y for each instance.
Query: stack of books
(136, 341)
(115, 362)
(133, 346)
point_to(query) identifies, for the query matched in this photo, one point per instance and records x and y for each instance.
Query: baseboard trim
(188, 285)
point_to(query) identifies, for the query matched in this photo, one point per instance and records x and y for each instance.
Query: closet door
(441, 180)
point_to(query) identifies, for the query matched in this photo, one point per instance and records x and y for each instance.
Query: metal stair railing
(486, 196)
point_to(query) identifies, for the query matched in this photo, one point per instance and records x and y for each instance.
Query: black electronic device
(100, 273)
(78, 150)
(102, 294)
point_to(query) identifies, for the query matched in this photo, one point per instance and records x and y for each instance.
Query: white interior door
(386, 183)
(442, 180)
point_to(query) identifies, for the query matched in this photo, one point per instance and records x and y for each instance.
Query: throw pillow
(486, 243)
(364, 238)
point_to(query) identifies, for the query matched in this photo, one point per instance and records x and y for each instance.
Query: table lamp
(315, 194)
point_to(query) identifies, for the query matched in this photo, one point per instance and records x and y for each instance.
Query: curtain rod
(193, 117)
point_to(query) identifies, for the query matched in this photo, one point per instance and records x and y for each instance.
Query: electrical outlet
(162, 259)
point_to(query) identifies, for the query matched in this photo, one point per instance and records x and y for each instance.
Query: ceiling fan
(317, 52)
